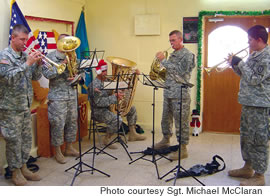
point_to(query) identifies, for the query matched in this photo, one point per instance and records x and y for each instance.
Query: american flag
(18, 18)
(46, 41)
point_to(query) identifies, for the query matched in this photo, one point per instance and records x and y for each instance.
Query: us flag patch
(4, 61)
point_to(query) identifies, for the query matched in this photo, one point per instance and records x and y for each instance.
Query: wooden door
(221, 110)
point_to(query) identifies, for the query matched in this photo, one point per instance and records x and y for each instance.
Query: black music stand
(155, 84)
(78, 167)
(95, 150)
(116, 89)
(90, 59)
(178, 166)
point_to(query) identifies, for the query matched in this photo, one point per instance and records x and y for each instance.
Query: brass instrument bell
(68, 45)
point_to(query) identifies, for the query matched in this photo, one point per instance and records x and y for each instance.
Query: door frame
(201, 50)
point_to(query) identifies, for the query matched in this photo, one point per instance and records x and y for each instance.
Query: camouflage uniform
(62, 105)
(102, 101)
(254, 95)
(16, 95)
(180, 64)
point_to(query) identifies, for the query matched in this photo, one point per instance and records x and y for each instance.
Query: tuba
(125, 69)
(156, 70)
(68, 45)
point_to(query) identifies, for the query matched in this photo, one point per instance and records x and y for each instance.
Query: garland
(200, 38)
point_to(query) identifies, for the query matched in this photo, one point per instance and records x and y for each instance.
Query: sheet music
(157, 83)
(85, 63)
(112, 85)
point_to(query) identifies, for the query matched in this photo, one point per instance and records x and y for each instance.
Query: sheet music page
(157, 83)
(87, 62)
(112, 85)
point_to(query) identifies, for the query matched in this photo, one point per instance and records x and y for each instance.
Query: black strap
(33, 167)
(215, 161)
(30, 164)
(209, 168)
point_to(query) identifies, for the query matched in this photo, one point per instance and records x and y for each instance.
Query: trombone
(49, 63)
(215, 67)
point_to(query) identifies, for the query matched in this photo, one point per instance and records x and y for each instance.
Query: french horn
(157, 71)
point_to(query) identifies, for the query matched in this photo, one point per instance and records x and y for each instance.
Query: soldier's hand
(137, 72)
(33, 57)
(65, 61)
(160, 56)
(97, 90)
(119, 95)
(70, 78)
(229, 59)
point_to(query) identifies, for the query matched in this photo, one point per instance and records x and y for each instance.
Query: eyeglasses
(173, 40)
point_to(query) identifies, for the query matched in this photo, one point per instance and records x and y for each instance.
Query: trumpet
(216, 67)
(49, 63)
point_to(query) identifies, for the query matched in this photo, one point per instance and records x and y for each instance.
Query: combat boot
(245, 172)
(59, 157)
(133, 135)
(29, 175)
(164, 143)
(70, 151)
(107, 139)
(17, 178)
(175, 155)
(256, 180)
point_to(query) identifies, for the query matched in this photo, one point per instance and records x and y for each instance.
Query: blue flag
(82, 51)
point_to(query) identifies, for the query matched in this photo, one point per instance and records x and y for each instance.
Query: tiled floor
(141, 173)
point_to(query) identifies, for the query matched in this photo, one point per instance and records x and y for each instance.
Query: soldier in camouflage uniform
(101, 101)
(17, 70)
(62, 107)
(254, 95)
(179, 65)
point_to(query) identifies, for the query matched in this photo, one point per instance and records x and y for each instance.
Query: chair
(101, 128)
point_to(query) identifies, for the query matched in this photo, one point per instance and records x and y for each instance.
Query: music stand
(118, 86)
(155, 84)
(89, 67)
(95, 150)
(78, 167)
(178, 166)
(90, 59)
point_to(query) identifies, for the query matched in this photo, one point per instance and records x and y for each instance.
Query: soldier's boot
(70, 151)
(59, 157)
(17, 178)
(107, 139)
(255, 180)
(29, 175)
(175, 155)
(133, 135)
(164, 143)
(245, 172)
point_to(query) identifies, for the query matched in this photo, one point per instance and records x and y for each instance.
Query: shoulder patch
(260, 69)
(4, 61)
